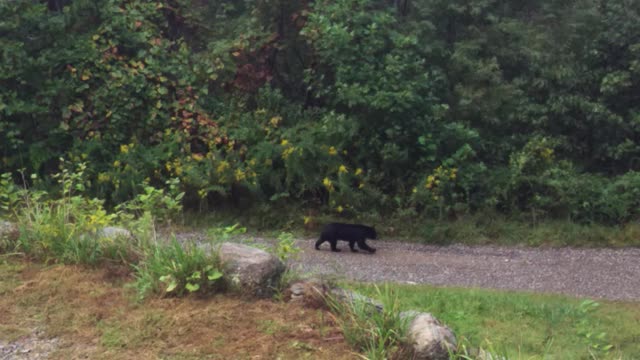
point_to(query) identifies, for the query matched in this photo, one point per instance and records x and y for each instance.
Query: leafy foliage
(174, 269)
(433, 107)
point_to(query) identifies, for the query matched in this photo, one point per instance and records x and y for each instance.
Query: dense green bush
(431, 107)
(70, 229)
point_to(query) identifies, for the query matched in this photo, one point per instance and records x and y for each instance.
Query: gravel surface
(30, 347)
(612, 274)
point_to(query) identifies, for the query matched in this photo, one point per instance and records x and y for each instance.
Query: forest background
(436, 109)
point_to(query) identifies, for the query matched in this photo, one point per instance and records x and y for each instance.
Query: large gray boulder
(431, 340)
(112, 232)
(250, 270)
(315, 292)
(8, 230)
(311, 292)
(485, 355)
(351, 297)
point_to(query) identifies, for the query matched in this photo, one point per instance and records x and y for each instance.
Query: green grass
(11, 274)
(479, 230)
(117, 334)
(529, 326)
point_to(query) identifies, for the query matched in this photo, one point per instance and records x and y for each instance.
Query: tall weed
(378, 334)
(175, 269)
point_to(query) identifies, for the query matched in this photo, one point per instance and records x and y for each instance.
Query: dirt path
(612, 274)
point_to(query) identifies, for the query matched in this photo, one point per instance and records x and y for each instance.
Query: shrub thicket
(437, 107)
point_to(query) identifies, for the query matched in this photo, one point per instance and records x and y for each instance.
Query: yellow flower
(116, 163)
(275, 121)
(415, 190)
(288, 151)
(358, 171)
(332, 151)
(430, 180)
(361, 186)
(103, 178)
(240, 175)
(307, 219)
(343, 169)
(547, 153)
(339, 208)
(124, 148)
(328, 184)
(284, 142)
(197, 157)
(222, 167)
(202, 193)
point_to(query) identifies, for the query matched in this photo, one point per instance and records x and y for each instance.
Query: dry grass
(92, 314)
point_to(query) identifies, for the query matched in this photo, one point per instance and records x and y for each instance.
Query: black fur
(353, 233)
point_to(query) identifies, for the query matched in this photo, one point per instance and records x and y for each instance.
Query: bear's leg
(319, 242)
(362, 245)
(352, 244)
(334, 245)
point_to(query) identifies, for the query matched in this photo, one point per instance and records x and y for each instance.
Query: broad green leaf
(214, 275)
(192, 287)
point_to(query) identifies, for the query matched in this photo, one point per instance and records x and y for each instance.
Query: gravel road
(612, 274)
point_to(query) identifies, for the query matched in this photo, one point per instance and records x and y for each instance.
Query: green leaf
(214, 275)
(192, 287)
(195, 276)
(173, 284)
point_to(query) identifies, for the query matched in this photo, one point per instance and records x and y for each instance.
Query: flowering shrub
(348, 105)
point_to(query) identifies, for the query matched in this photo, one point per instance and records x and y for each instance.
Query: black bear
(353, 233)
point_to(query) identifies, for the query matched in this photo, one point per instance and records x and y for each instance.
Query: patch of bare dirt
(67, 312)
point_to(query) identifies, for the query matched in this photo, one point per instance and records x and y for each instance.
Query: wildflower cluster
(288, 149)
(440, 174)
(438, 184)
